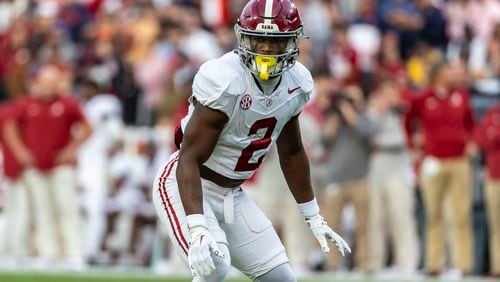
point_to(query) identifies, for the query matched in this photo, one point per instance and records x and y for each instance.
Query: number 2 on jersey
(244, 163)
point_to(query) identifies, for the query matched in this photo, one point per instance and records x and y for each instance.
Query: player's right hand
(201, 247)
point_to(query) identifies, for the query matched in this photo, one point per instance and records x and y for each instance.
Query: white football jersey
(255, 120)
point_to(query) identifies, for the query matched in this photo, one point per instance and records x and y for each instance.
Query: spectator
(487, 71)
(458, 30)
(419, 63)
(489, 139)
(445, 116)
(366, 13)
(318, 18)
(143, 29)
(483, 15)
(402, 17)
(343, 59)
(14, 60)
(433, 31)
(199, 44)
(390, 62)
(39, 131)
(365, 38)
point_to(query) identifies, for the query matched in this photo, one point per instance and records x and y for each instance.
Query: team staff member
(241, 104)
(445, 117)
(44, 130)
(488, 135)
(16, 198)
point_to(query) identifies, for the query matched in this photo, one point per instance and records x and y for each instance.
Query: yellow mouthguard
(264, 62)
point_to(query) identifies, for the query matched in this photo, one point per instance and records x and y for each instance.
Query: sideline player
(241, 104)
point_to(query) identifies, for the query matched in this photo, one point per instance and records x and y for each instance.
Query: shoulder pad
(224, 73)
(219, 82)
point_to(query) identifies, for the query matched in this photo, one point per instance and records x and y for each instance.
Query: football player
(242, 102)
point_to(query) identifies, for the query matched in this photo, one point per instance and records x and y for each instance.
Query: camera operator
(346, 135)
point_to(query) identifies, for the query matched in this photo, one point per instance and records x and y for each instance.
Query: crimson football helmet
(273, 19)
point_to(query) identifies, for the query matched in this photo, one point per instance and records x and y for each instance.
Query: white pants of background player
(93, 177)
(241, 229)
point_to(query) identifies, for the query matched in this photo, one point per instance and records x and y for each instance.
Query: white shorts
(233, 219)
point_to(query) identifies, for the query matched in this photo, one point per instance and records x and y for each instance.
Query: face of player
(269, 45)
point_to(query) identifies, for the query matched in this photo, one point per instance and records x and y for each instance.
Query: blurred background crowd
(403, 130)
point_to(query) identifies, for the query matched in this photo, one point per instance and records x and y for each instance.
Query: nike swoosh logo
(290, 91)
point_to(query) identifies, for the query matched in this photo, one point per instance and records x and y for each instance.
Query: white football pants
(233, 220)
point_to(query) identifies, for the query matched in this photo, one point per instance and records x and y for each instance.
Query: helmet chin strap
(264, 63)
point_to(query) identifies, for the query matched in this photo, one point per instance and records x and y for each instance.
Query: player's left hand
(323, 233)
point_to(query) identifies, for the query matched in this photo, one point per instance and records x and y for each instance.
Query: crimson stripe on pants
(169, 210)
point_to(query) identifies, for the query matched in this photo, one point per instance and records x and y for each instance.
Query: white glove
(322, 232)
(320, 229)
(201, 247)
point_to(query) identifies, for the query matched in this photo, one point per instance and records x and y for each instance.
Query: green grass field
(102, 276)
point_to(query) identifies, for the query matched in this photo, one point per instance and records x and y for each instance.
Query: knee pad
(281, 273)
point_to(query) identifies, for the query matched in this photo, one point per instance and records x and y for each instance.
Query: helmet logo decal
(267, 27)
(246, 102)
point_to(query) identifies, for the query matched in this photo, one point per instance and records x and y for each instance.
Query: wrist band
(196, 220)
(309, 209)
